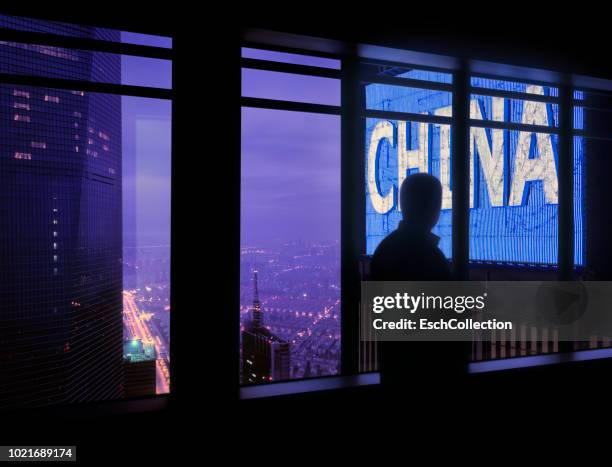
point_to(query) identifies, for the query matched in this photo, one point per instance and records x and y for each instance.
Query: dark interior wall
(109, 14)
(568, 40)
(508, 33)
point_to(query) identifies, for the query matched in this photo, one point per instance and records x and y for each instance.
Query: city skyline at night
(299, 296)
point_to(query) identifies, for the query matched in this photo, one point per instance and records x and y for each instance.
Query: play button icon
(561, 303)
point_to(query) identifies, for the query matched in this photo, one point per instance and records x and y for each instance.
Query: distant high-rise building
(265, 357)
(139, 370)
(61, 330)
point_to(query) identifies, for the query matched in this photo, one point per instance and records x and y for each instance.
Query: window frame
(291, 106)
(141, 403)
(351, 127)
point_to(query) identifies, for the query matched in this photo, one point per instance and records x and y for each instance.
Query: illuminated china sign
(513, 174)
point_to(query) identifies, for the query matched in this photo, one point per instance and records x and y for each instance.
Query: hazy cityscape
(299, 291)
(290, 230)
(146, 303)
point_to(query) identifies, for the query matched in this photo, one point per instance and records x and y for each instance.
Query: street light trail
(138, 329)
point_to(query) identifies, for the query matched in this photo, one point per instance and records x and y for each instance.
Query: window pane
(146, 231)
(502, 109)
(84, 185)
(513, 86)
(580, 197)
(396, 71)
(593, 149)
(143, 71)
(296, 59)
(290, 231)
(407, 99)
(394, 150)
(515, 171)
(514, 185)
(593, 114)
(290, 87)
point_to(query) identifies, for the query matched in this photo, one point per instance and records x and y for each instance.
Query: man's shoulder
(402, 243)
(388, 249)
(390, 242)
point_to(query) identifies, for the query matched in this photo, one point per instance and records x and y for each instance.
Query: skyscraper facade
(265, 356)
(61, 331)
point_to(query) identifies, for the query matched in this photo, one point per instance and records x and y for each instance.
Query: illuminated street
(138, 325)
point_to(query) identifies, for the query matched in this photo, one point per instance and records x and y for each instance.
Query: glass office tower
(61, 330)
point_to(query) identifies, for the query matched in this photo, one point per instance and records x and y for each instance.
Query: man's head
(421, 200)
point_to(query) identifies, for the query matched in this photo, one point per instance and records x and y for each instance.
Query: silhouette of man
(411, 253)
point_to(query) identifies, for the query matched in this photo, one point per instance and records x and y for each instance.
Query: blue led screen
(513, 175)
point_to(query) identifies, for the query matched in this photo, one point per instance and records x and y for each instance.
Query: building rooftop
(262, 331)
(134, 350)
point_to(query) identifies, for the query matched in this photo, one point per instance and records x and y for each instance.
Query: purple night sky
(290, 160)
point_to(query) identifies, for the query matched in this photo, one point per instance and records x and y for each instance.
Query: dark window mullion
(89, 86)
(280, 67)
(352, 215)
(525, 96)
(275, 104)
(565, 172)
(259, 44)
(460, 173)
(371, 78)
(407, 116)
(513, 126)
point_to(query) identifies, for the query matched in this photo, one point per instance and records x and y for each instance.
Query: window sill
(310, 385)
(538, 360)
(369, 379)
